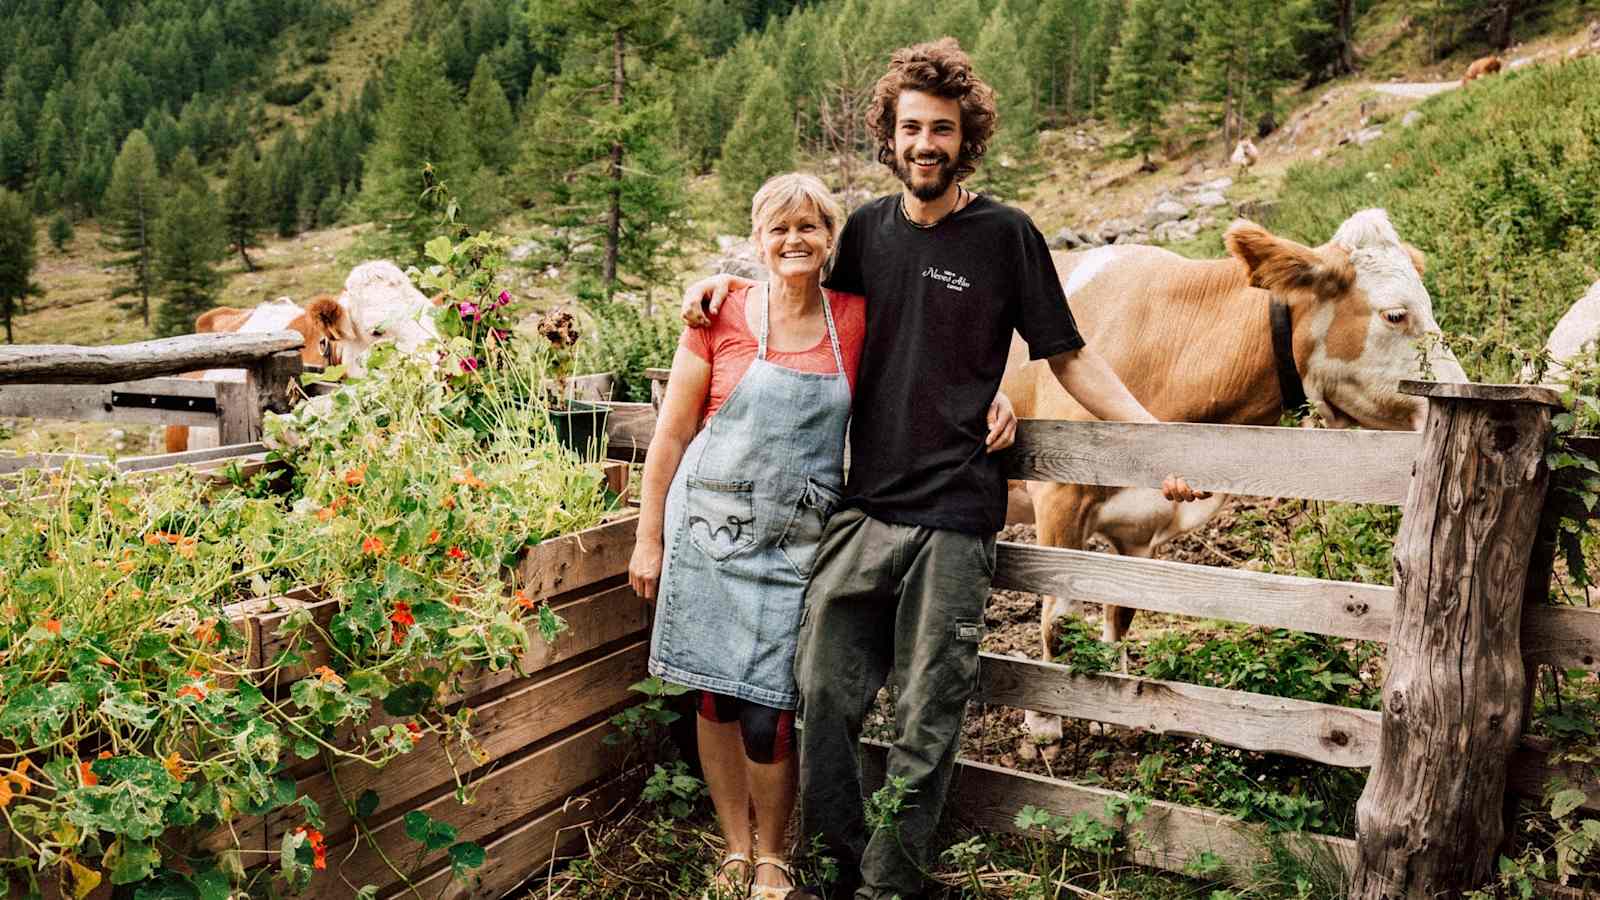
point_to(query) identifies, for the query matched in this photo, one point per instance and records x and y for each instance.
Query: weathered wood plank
(628, 430)
(533, 783)
(595, 387)
(1334, 735)
(1339, 608)
(72, 364)
(577, 560)
(1567, 637)
(523, 852)
(1494, 393)
(1531, 766)
(1431, 818)
(1313, 464)
(1168, 837)
(92, 402)
(501, 726)
(10, 465)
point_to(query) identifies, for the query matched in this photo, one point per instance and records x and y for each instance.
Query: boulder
(1111, 229)
(1163, 211)
(1367, 135)
(1411, 118)
(742, 267)
(1210, 199)
(1218, 184)
(523, 251)
(1173, 232)
(1065, 239)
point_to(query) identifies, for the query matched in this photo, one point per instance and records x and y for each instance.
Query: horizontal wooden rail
(72, 364)
(1312, 464)
(1336, 735)
(1338, 608)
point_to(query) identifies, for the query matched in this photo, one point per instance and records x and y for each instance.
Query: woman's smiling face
(794, 243)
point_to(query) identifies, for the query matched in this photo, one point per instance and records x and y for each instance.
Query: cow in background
(1193, 340)
(1481, 68)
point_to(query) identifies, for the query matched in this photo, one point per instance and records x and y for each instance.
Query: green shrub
(624, 341)
(288, 93)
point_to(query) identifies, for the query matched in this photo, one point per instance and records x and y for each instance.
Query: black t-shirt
(941, 305)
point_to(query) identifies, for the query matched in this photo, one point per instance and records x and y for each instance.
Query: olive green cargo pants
(886, 601)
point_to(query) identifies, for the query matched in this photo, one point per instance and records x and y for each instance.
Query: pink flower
(470, 364)
(468, 308)
(505, 297)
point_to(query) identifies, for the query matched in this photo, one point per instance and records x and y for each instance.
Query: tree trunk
(1347, 48)
(248, 266)
(1430, 820)
(144, 266)
(1500, 29)
(614, 215)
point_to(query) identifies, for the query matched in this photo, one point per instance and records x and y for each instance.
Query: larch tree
(244, 203)
(189, 243)
(132, 206)
(998, 59)
(760, 145)
(489, 122)
(1143, 80)
(17, 256)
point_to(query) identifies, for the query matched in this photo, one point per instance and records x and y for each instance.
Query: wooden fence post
(1430, 820)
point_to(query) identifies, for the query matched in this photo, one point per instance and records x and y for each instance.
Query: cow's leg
(1135, 523)
(1061, 512)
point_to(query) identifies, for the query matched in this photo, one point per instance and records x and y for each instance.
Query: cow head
(327, 331)
(1361, 317)
(380, 303)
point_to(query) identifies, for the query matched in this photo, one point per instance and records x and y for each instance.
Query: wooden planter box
(543, 766)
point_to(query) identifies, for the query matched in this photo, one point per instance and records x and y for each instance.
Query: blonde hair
(783, 194)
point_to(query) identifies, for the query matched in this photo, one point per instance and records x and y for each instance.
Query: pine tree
(132, 206)
(188, 245)
(283, 174)
(601, 161)
(185, 171)
(60, 231)
(1243, 53)
(16, 255)
(244, 202)
(760, 145)
(998, 60)
(1142, 83)
(419, 125)
(489, 123)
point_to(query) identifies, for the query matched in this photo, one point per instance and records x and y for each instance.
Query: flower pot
(581, 428)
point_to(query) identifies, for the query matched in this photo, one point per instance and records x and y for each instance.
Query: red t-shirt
(729, 345)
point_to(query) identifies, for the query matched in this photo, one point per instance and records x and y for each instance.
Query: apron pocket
(720, 516)
(800, 540)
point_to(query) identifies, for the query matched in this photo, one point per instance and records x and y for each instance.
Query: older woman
(745, 466)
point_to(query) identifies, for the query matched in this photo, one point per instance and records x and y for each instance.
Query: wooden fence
(131, 383)
(1465, 623)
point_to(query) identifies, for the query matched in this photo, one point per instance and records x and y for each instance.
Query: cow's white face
(382, 305)
(1362, 313)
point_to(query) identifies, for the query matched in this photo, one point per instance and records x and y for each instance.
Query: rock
(726, 243)
(1169, 210)
(523, 251)
(1210, 199)
(1218, 184)
(1111, 229)
(1137, 236)
(1173, 232)
(1258, 211)
(744, 268)
(1367, 135)
(1411, 118)
(1065, 239)
(1092, 239)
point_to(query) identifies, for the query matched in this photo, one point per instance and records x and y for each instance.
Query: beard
(944, 176)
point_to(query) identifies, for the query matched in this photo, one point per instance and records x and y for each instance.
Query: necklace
(960, 195)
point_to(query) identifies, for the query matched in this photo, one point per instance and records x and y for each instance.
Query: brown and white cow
(321, 323)
(1488, 65)
(1192, 340)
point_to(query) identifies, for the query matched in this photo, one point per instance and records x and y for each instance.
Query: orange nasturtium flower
(402, 619)
(15, 783)
(456, 553)
(373, 546)
(466, 477)
(522, 598)
(53, 626)
(206, 633)
(448, 503)
(433, 536)
(196, 688)
(174, 765)
(127, 566)
(86, 775)
(319, 847)
(327, 675)
(186, 546)
(356, 476)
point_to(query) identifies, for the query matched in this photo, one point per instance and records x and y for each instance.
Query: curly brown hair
(943, 69)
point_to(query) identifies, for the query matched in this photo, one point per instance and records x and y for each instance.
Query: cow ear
(1418, 260)
(327, 312)
(1279, 264)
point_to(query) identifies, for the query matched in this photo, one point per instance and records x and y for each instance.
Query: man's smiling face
(927, 143)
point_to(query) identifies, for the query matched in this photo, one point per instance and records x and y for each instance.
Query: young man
(904, 568)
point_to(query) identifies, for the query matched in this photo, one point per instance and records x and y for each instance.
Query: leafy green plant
(673, 788)
(1081, 650)
(624, 341)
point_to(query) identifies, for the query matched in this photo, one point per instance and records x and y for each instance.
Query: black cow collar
(1290, 386)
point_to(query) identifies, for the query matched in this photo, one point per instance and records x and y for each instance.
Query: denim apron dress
(745, 513)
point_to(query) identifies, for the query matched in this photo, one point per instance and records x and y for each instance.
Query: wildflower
(356, 476)
(196, 688)
(16, 782)
(206, 633)
(522, 599)
(174, 765)
(186, 547)
(402, 619)
(456, 553)
(372, 546)
(468, 308)
(433, 536)
(327, 675)
(127, 566)
(319, 847)
(416, 732)
(53, 626)
(326, 513)
(455, 599)
(470, 364)
(448, 503)
(88, 777)
(466, 477)
(505, 298)
(153, 539)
